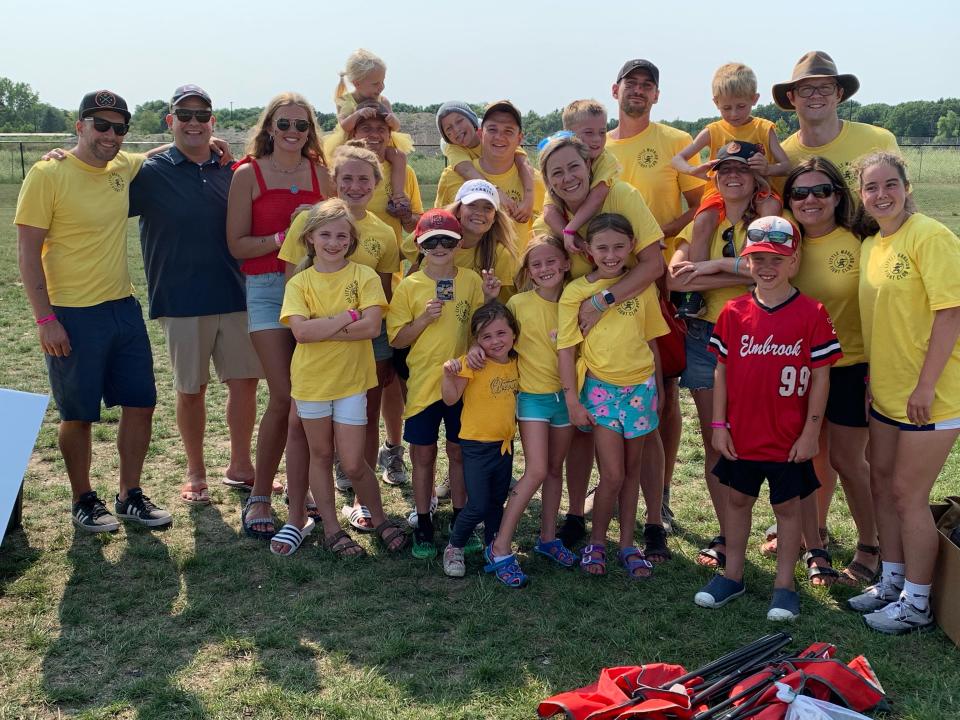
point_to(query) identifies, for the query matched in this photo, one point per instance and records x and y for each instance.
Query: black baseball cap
(103, 100)
(639, 64)
(185, 91)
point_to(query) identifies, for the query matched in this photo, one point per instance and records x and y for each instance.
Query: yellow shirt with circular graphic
(441, 340)
(537, 344)
(332, 369)
(854, 141)
(490, 402)
(376, 244)
(456, 154)
(830, 272)
(904, 279)
(616, 349)
(718, 297)
(384, 191)
(645, 163)
(84, 211)
(756, 131)
(508, 182)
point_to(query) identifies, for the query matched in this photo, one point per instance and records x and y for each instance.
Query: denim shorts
(110, 360)
(264, 300)
(381, 346)
(629, 410)
(698, 375)
(543, 407)
(350, 410)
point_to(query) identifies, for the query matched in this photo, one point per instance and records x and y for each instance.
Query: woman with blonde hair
(284, 168)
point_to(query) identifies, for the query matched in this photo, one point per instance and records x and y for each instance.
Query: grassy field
(200, 622)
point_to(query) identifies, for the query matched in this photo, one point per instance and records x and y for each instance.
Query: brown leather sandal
(856, 574)
(343, 546)
(389, 534)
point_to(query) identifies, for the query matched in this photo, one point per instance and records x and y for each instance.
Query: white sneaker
(412, 519)
(443, 491)
(899, 617)
(391, 461)
(453, 563)
(340, 478)
(874, 597)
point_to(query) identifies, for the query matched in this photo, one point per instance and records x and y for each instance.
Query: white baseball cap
(473, 190)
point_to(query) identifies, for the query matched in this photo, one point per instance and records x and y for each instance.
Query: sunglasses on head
(285, 123)
(824, 190)
(729, 250)
(101, 125)
(447, 242)
(778, 237)
(185, 115)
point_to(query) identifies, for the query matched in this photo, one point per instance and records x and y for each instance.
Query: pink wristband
(354, 315)
(719, 425)
(279, 237)
(567, 231)
(46, 319)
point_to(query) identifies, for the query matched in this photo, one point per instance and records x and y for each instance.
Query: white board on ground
(20, 417)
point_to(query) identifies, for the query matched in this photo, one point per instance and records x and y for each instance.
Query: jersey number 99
(792, 381)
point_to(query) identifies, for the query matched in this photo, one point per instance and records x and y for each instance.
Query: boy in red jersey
(775, 347)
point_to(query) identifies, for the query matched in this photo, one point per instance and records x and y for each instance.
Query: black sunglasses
(824, 190)
(778, 237)
(729, 250)
(185, 115)
(101, 125)
(285, 123)
(445, 241)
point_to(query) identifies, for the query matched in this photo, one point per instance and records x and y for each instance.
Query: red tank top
(271, 214)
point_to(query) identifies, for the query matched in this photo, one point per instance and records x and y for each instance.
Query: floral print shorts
(630, 410)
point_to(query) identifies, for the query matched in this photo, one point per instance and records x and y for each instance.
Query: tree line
(22, 111)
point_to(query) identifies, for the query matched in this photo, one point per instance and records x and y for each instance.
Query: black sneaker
(692, 306)
(90, 514)
(138, 508)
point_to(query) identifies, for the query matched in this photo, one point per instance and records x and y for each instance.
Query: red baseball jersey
(769, 354)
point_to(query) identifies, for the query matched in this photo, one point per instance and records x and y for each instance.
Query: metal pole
(23, 166)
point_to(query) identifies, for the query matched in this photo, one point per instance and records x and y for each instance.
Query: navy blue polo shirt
(183, 234)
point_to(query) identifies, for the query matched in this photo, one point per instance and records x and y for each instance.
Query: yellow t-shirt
(332, 369)
(645, 164)
(854, 141)
(605, 169)
(830, 272)
(84, 211)
(756, 131)
(347, 105)
(508, 182)
(443, 339)
(537, 344)
(718, 297)
(376, 244)
(456, 154)
(490, 402)
(615, 350)
(623, 199)
(384, 190)
(905, 278)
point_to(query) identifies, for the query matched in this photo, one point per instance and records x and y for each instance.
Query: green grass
(199, 622)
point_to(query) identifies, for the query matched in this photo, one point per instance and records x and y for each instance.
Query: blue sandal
(634, 562)
(594, 555)
(556, 551)
(507, 571)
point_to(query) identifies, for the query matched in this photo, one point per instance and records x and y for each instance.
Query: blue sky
(538, 54)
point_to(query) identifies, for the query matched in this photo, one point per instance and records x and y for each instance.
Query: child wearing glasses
(367, 72)
(775, 347)
(430, 314)
(734, 93)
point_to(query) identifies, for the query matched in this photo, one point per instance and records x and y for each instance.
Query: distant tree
(782, 128)
(18, 105)
(948, 126)
(150, 118)
(52, 119)
(913, 119)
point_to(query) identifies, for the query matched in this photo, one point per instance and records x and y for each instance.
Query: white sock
(916, 595)
(498, 558)
(893, 574)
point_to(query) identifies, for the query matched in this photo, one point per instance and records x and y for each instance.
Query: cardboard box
(945, 598)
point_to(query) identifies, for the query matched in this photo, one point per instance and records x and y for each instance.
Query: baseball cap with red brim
(437, 222)
(772, 234)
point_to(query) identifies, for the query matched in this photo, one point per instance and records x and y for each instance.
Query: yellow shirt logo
(897, 267)
(841, 262)
(501, 385)
(629, 307)
(648, 158)
(372, 246)
(463, 311)
(352, 293)
(116, 182)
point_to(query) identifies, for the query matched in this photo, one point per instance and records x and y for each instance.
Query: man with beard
(71, 232)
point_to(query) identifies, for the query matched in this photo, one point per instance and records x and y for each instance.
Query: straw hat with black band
(814, 64)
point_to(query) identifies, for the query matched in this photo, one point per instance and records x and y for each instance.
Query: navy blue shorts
(787, 480)
(424, 427)
(109, 360)
(846, 403)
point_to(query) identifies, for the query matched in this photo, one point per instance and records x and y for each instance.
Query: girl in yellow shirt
(488, 424)
(334, 308)
(910, 307)
(612, 389)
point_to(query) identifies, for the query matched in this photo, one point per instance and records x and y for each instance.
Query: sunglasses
(729, 250)
(101, 125)
(778, 237)
(202, 116)
(445, 241)
(824, 190)
(285, 123)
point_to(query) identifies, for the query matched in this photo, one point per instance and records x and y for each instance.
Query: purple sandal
(633, 560)
(594, 555)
